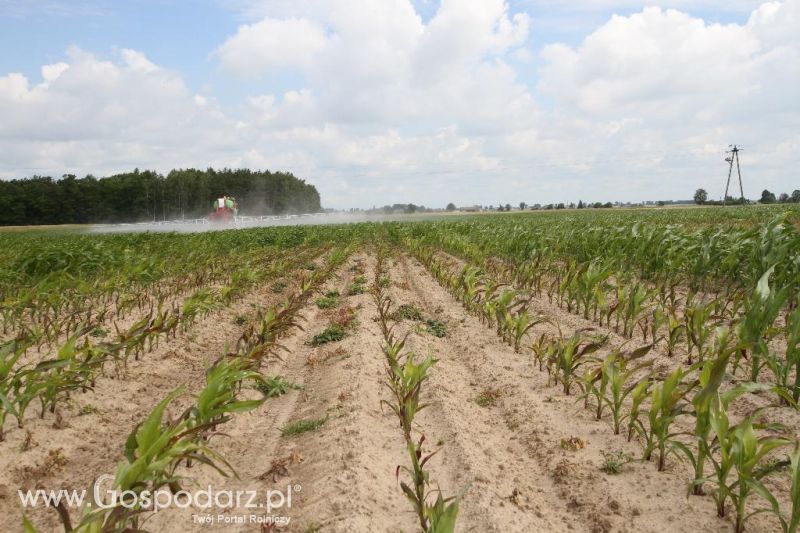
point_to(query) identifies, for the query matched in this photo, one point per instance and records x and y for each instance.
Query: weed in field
(240, 320)
(302, 426)
(328, 302)
(278, 287)
(344, 317)
(99, 332)
(87, 409)
(436, 328)
(280, 467)
(332, 333)
(28, 442)
(357, 289)
(613, 462)
(572, 444)
(406, 312)
(488, 397)
(272, 387)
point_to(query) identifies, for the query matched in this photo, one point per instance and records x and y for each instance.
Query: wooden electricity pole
(734, 151)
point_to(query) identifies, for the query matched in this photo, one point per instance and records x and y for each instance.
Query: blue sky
(498, 97)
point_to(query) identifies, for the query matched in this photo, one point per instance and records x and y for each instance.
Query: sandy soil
(506, 457)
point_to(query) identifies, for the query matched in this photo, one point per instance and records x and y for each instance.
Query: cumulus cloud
(375, 104)
(258, 48)
(93, 115)
(676, 85)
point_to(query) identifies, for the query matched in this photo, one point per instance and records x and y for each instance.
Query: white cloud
(51, 73)
(686, 85)
(94, 115)
(258, 48)
(375, 105)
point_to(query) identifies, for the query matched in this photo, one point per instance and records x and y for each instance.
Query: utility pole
(734, 151)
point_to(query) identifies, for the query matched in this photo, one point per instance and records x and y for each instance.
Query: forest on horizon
(141, 196)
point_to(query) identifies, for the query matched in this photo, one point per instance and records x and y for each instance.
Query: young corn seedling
(675, 331)
(698, 330)
(792, 525)
(573, 353)
(218, 401)
(539, 347)
(786, 370)
(710, 378)
(739, 449)
(406, 385)
(10, 352)
(153, 451)
(521, 323)
(591, 290)
(634, 307)
(620, 384)
(667, 403)
(756, 327)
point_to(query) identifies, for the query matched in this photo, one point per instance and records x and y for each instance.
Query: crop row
(159, 446)
(80, 359)
(406, 374)
(734, 458)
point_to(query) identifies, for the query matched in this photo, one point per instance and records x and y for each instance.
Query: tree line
(141, 196)
(767, 197)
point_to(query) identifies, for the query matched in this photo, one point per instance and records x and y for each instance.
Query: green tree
(700, 196)
(451, 207)
(767, 197)
(146, 195)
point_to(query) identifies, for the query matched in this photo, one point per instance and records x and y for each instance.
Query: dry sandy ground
(506, 458)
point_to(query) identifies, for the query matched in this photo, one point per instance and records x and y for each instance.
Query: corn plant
(792, 525)
(153, 452)
(756, 327)
(638, 396)
(405, 378)
(218, 400)
(569, 355)
(738, 449)
(591, 289)
(519, 324)
(618, 383)
(539, 347)
(675, 330)
(696, 325)
(786, 369)
(10, 352)
(667, 403)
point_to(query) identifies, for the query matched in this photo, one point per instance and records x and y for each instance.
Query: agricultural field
(593, 370)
